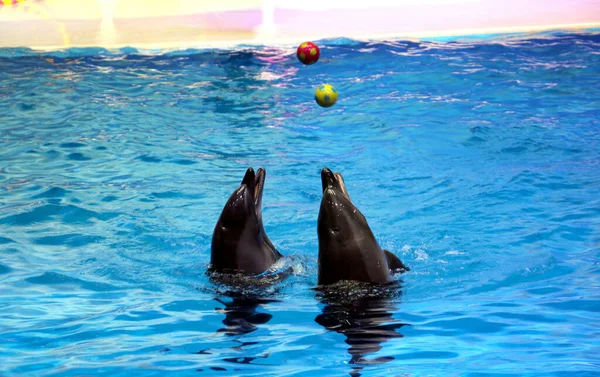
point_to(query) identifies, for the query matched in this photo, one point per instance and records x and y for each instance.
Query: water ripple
(475, 161)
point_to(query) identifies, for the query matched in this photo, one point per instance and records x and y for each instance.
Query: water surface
(477, 163)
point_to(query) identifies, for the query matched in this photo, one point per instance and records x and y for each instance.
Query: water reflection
(365, 319)
(241, 315)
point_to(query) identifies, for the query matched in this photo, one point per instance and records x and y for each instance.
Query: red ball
(308, 53)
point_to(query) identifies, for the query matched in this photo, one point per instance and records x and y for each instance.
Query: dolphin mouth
(260, 186)
(328, 179)
(335, 201)
(335, 181)
(255, 183)
(245, 200)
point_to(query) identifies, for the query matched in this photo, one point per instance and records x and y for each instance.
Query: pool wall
(57, 24)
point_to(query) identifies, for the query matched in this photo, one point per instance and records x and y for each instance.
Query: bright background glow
(51, 24)
(370, 4)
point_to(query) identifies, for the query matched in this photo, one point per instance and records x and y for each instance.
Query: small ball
(326, 95)
(308, 53)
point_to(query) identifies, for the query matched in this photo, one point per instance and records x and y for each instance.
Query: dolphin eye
(335, 230)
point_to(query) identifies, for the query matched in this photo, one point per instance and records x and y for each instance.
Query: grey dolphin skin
(347, 248)
(239, 242)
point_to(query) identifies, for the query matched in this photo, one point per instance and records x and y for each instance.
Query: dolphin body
(239, 242)
(347, 248)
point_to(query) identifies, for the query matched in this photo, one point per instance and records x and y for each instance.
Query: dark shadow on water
(244, 314)
(363, 313)
(241, 315)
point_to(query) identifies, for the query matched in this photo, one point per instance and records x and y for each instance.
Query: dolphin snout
(329, 193)
(327, 178)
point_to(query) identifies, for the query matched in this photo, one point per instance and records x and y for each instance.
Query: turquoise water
(477, 163)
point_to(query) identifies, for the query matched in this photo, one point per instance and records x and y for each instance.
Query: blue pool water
(477, 163)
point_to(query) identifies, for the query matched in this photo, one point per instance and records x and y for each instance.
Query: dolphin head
(243, 208)
(348, 249)
(239, 241)
(338, 217)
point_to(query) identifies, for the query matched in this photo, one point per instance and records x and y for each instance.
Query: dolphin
(239, 242)
(347, 248)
